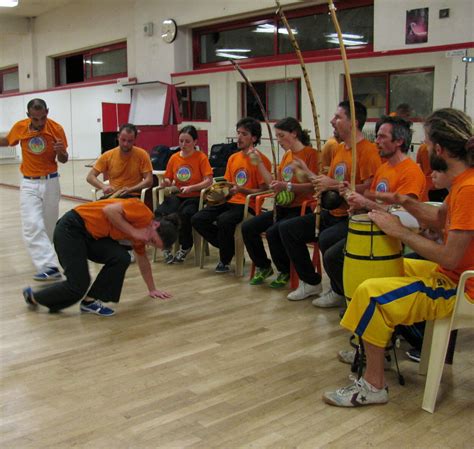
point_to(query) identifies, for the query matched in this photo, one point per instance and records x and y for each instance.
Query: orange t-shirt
(368, 161)
(38, 155)
(405, 178)
(423, 159)
(97, 224)
(461, 218)
(311, 157)
(327, 153)
(188, 171)
(243, 173)
(124, 169)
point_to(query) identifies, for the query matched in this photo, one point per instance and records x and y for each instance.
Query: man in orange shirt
(128, 168)
(92, 231)
(297, 232)
(43, 143)
(428, 289)
(398, 174)
(217, 223)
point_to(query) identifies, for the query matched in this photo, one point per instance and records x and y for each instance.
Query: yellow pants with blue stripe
(380, 304)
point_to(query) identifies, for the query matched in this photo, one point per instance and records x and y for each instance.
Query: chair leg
(197, 240)
(202, 252)
(294, 279)
(426, 348)
(239, 251)
(252, 271)
(439, 347)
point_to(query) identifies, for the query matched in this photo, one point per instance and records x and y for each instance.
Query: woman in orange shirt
(295, 141)
(93, 231)
(190, 171)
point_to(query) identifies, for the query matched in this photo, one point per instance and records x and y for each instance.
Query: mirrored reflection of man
(127, 167)
(43, 143)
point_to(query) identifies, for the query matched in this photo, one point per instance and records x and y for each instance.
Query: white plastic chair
(436, 339)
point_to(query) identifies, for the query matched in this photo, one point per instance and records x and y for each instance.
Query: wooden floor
(221, 365)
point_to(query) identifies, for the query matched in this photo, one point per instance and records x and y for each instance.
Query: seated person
(428, 289)
(431, 193)
(295, 142)
(92, 231)
(127, 167)
(189, 171)
(217, 223)
(296, 232)
(398, 174)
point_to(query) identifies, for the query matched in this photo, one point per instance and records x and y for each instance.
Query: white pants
(39, 204)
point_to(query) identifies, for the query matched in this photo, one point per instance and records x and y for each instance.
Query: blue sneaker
(50, 274)
(28, 295)
(96, 307)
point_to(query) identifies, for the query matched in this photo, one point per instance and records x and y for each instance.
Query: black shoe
(28, 296)
(221, 268)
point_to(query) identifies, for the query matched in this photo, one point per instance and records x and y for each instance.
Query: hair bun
(172, 218)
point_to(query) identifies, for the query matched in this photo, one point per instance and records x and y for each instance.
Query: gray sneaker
(355, 395)
(167, 256)
(180, 255)
(222, 268)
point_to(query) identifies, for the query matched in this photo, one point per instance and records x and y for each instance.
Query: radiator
(8, 153)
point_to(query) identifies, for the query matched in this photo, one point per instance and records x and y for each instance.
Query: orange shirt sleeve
(205, 166)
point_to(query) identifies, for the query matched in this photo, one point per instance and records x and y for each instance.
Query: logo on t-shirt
(382, 186)
(287, 173)
(36, 145)
(184, 173)
(241, 177)
(340, 171)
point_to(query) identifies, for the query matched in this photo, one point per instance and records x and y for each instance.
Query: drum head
(361, 218)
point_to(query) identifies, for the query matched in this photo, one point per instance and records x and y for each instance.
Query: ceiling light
(235, 50)
(230, 55)
(8, 3)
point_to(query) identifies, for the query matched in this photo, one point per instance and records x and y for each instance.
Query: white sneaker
(304, 290)
(329, 299)
(346, 356)
(357, 394)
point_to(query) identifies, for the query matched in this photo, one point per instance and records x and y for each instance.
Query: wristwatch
(289, 187)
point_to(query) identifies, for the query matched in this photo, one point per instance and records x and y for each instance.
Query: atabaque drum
(369, 253)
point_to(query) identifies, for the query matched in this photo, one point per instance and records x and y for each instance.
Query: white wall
(390, 20)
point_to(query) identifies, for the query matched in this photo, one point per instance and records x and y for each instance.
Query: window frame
(275, 20)
(387, 74)
(189, 118)
(89, 53)
(296, 80)
(4, 72)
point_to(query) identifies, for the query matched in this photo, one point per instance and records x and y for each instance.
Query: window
(92, 65)
(194, 103)
(9, 81)
(381, 93)
(266, 38)
(280, 99)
